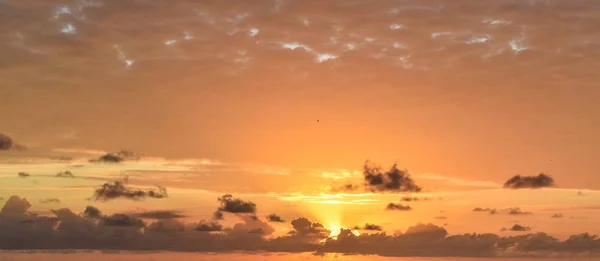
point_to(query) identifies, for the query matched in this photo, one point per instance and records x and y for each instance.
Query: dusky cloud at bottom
(20, 229)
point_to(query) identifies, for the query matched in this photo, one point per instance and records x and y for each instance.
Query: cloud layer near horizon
(20, 229)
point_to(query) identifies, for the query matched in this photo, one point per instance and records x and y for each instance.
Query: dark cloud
(409, 198)
(304, 227)
(392, 180)
(518, 211)
(275, 218)
(218, 215)
(117, 189)
(492, 211)
(6, 142)
(20, 229)
(92, 212)
(531, 182)
(204, 226)
(235, 205)
(65, 174)
(372, 227)
(122, 220)
(116, 157)
(159, 214)
(517, 228)
(49, 200)
(440, 217)
(557, 215)
(23, 175)
(399, 207)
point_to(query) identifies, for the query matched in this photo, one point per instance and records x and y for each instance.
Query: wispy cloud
(458, 181)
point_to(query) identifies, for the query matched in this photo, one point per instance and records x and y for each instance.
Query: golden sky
(280, 103)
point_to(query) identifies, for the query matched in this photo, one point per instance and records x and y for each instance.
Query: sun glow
(336, 230)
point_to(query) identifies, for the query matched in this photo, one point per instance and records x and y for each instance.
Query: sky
(158, 109)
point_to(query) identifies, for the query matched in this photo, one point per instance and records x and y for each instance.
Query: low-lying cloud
(397, 207)
(65, 174)
(65, 229)
(116, 157)
(117, 189)
(275, 218)
(49, 200)
(529, 182)
(159, 214)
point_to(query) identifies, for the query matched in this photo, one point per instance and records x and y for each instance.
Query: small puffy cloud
(92, 212)
(49, 200)
(517, 228)
(23, 175)
(65, 174)
(116, 157)
(557, 215)
(117, 189)
(252, 225)
(235, 205)
(275, 218)
(398, 207)
(372, 227)
(393, 180)
(122, 220)
(304, 227)
(529, 182)
(492, 211)
(15, 207)
(159, 214)
(6, 142)
(204, 226)
(518, 211)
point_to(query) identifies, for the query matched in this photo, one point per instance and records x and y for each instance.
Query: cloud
(204, 226)
(518, 211)
(492, 211)
(117, 189)
(372, 227)
(116, 157)
(49, 200)
(23, 175)
(395, 180)
(6, 142)
(159, 214)
(235, 205)
(275, 218)
(440, 217)
(122, 220)
(517, 228)
(20, 229)
(557, 215)
(304, 227)
(65, 174)
(531, 182)
(399, 207)
(92, 212)
(376, 179)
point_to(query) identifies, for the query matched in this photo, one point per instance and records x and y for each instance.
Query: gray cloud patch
(65, 174)
(275, 218)
(20, 229)
(117, 189)
(6, 142)
(517, 228)
(23, 175)
(233, 205)
(394, 179)
(492, 211)
(372, 227)
(529, 182)
(557, 215)
(398, 207)
(116, 157)
(159, 214)
(49, 200)
(204, 226)
(518, 211)
(92, 212)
